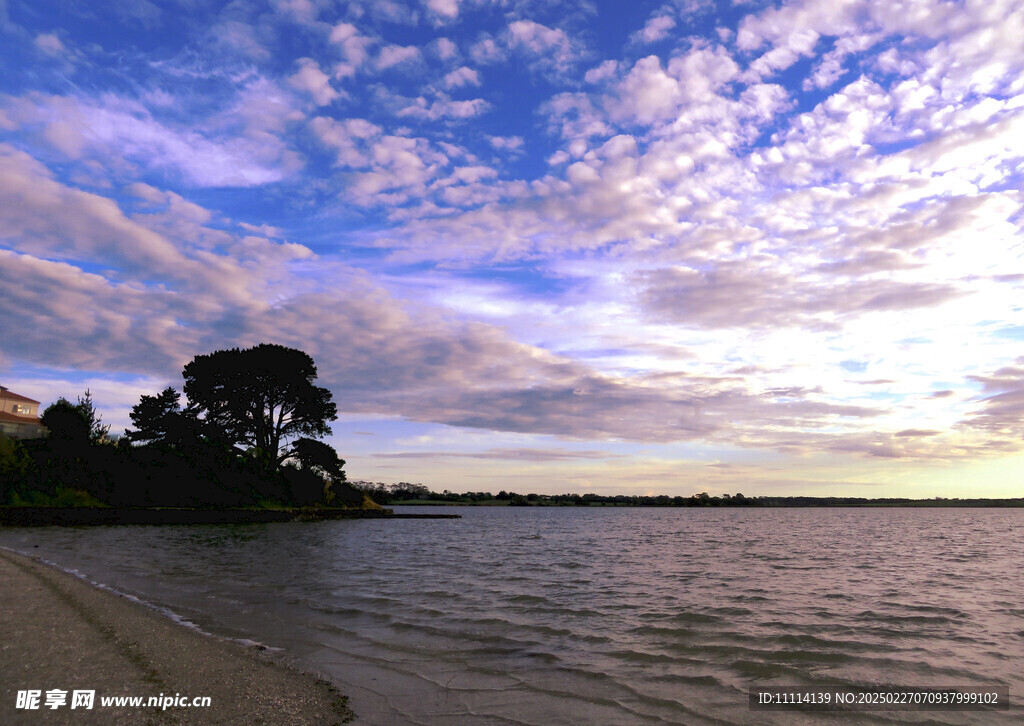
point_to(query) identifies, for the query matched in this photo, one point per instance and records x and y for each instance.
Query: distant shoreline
(405, 493)
(14, 516)
(35, 516)
(755, 503)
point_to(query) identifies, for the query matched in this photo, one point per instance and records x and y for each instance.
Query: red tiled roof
(11, 396)
(15, 418)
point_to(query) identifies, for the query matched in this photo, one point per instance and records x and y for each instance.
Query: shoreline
(62, 633)
(18, 516)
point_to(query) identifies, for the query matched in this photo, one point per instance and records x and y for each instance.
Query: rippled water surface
(596, 615)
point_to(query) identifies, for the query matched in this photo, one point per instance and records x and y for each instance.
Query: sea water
(578, 615)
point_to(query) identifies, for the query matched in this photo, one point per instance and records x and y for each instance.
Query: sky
(538, 245)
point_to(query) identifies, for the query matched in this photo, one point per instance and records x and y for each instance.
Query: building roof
(15, 418)
(11, 396)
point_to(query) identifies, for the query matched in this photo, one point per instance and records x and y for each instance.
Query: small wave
(690, 617)
(661, 632)
(917, 607)
(502, 624)
(732, 611)
(571, 565)
(439, 594)
(811, 642)
(759, 670)
(907, 619)
(705, 680)
(345, 611)
(540, 656)
(812, 656)
(571, 612)
(646, 657)
(548, 630)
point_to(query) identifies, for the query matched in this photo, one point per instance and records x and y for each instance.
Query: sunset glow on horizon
(534, 245)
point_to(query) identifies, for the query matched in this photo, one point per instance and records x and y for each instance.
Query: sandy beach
(62, 636)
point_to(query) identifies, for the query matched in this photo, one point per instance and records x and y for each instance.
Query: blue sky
(545, 246)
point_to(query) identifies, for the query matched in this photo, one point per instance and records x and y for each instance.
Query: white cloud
(168, 244)
(506, 143)
(443, 107)
(239, 37)
(391, 11)
(830, 67)
(393, 55)
(342, 32)
(796, 26)
(351, 138)
(50, 44)
(462, 76)
(315, 82)
(301, 11)
(354, 49)
(116, 129)
(607, 69)
(43, 216)
(486, 51)
(657, 28)
(94, 323)
(445, 48)
(647, 93)
(779, 58)
(395, 170)
(262, 110)
(650, 94)
(575, 115)
(445, 8)
(264, 230)
(550, 49)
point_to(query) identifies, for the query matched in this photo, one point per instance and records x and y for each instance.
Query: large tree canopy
(259, 398)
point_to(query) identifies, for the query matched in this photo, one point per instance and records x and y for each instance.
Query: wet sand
(59, 632)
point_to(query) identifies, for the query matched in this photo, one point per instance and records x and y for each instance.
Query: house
(19, 416)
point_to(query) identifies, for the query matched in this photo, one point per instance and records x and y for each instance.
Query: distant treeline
(246, 438)
(885, 502)
(406, 493)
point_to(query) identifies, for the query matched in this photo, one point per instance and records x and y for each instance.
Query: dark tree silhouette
(67, 423)
(63, 457)
(99, 433)
(77, 423)
(320, 477)
(160, 420)
(320, 458)
(259, 398)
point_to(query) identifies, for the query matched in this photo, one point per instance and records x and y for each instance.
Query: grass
(63, 497)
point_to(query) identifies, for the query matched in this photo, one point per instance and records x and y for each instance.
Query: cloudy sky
(540, 245)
